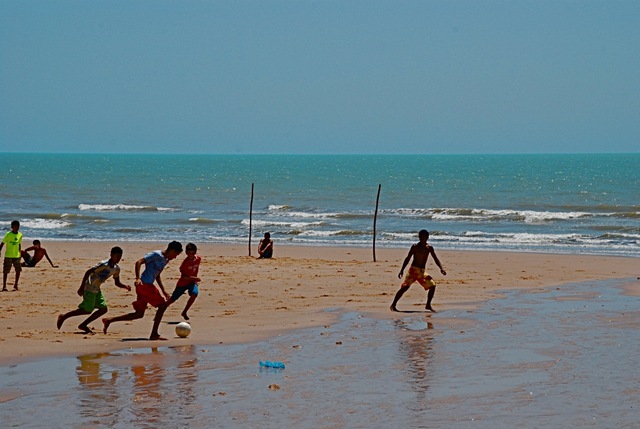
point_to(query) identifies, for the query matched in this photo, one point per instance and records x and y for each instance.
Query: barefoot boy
(188, 281)
(39, 252)
(13, 240)
(146, 291)
(89, 290)
(420, 253)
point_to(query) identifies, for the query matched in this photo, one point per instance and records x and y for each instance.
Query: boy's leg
(4, 281)
(430, 295)
(63, 317)
(192, 298)
(399, 294)
(125, 317)
(15, 285)
(84, 326)
(156, 322)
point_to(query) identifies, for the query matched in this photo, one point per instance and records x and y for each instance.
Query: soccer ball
(183, 329)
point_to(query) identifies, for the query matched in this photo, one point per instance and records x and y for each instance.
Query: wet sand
(560, 356)
(244, 299)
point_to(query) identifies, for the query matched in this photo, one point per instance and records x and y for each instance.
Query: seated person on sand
(39, 252)
(265, 248)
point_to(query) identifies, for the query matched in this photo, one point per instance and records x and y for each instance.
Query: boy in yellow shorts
(420, 253)
(89, 290)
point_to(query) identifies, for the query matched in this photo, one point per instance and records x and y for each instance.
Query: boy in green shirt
(13, 240)
(89, 290)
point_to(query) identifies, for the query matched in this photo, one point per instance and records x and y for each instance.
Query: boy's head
(423, 235)
(36, 243)
(15, 226)
(191, 249)
(116, 254)
(173, 250)
(267, 235)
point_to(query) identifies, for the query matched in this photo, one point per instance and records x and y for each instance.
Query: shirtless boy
(420, 253)
(265, 248)
(39, 252)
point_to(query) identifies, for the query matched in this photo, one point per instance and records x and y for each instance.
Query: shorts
(419, 275)
(147, 294)
(28, 260)
(8, 262)
(180, 290)
(91, 301)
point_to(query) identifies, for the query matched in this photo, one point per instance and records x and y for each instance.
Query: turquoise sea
(586, 203)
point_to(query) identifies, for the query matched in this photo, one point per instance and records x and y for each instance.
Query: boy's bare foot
(60, 321)
(430, 308)
(157, 338)
(105, 325)
(16, 288)
(184, 315)
(86, 329)
(4, 289)
(393, 308)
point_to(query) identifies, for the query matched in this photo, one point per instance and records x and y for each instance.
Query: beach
(244, 299)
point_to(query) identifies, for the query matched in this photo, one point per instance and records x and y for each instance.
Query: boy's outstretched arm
(122, 285)
(437, 261)
(164, 292)
(48, 259)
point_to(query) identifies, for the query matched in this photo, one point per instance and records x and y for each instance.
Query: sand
(244, 299)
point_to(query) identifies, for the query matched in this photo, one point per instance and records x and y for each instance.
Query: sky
(320, 77)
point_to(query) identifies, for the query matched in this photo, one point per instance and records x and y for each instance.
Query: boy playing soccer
(420, 253)
(90, 291)
(188, 281)
(146, 291)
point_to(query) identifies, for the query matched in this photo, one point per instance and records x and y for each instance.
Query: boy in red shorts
(420, 253)
(146, 291)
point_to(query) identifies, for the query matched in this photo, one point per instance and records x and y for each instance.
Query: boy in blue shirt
(146, 291)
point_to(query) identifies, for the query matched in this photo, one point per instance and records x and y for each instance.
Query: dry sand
(244, 299)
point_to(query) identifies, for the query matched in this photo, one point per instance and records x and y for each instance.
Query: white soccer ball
(183, 329)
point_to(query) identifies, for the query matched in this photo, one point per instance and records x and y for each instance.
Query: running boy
(39, 252)
(13, 240)
(146, 291)
(420, 253)
(89, 290)
(188, 281)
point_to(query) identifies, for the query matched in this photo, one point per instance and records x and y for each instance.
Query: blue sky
(369, 76)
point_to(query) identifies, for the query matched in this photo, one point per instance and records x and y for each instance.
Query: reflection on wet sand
(415, 344)
(559, 358)
(99, 392)
(140, 388)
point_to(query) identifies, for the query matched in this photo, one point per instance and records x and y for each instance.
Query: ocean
(579, 204)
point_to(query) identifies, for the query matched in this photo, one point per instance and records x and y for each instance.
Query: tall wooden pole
(250, 218)
(375, 219)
